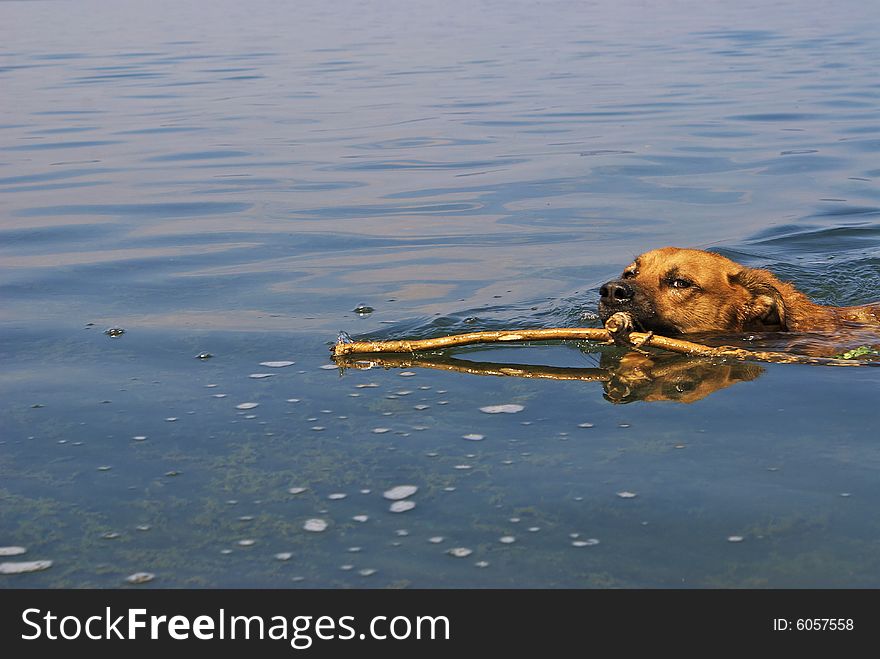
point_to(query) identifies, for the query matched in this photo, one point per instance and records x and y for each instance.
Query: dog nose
(615, 291)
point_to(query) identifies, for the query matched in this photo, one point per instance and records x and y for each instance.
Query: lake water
(236, 178)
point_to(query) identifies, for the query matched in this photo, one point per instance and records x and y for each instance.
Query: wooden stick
(617, 330)
(552, 334)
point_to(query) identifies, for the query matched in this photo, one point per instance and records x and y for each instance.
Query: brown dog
(686, 291)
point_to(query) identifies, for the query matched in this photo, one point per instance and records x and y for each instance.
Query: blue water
(236, 178)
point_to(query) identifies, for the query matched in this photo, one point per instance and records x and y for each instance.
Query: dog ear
(766, 308)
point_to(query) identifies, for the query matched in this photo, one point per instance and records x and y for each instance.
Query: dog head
(686, 291)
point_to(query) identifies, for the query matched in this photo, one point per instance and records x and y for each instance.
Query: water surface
(237, 178)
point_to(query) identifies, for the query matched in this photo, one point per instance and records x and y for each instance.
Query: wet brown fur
(723, 296)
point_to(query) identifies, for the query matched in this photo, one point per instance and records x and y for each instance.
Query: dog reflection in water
(637, 376)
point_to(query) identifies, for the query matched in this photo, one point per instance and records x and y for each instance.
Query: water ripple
(156, 210)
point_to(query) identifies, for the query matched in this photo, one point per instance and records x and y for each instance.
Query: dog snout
(615, 292)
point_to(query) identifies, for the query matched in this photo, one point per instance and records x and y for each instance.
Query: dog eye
(680, 283)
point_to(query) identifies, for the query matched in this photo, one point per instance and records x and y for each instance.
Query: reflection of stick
(475, 368)
(617, 329)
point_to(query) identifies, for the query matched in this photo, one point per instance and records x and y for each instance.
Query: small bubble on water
(204, 355)
(104, 468)
(437, 539)
(260, 376)
(627, 495)
(171, 419)
(380, 431)
(293, 400)
(139, 438)
(473, 437)
(502, 409)
(284, 556)
(276, 364)
(507, 539)
(329, 367)
(315, 525)
(735, 538)
(481, 564)
(297, 490)
(22, 567)
(246, 543)
(367, 572)
(140, 577)
(586, 425)
(12, 551)
(363, 310)
(361, 518)
(401, 533)
(400, 492)
(114, 332)
(336, 496)
(143, 527)
(246, 406)
(589, 542)
(401, 506)
(460, 552)
(406, 374)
